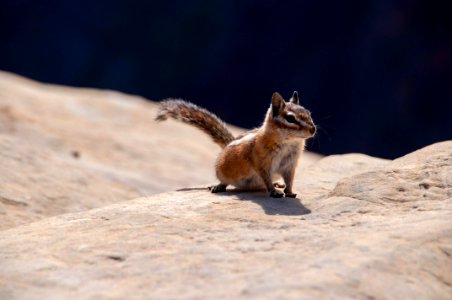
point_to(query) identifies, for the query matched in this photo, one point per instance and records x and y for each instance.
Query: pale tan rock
(69, 149)
(195, 245)
(425, 175)
(333, 168)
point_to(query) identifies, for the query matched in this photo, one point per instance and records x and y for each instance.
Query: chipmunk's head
(291, 117)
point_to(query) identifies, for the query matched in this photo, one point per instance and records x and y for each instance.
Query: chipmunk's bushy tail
(199, 117)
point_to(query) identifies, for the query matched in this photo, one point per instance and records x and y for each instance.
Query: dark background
(376, 74)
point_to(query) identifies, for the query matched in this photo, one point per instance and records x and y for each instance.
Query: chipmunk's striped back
(199, 117)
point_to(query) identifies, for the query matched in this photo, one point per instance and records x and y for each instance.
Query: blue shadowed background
(376, 74)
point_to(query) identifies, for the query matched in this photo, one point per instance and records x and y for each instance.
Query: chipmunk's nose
(312, 129)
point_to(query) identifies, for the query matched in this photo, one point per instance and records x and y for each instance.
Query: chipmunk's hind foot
(219, 188)
(276, 194)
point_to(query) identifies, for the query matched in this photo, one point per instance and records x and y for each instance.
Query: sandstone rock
(341, 240)
(69, 149)
(419, 177)
(333, 168)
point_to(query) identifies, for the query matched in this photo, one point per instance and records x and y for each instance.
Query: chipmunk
(256, 158)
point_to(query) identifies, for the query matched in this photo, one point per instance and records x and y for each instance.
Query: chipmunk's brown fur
(255, 159)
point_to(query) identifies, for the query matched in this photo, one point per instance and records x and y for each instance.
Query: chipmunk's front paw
(219, 188)
(276, 194)
(279, 185)
(291, 195)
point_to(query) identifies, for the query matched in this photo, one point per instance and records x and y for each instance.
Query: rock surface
(363, 228)
(69, 149)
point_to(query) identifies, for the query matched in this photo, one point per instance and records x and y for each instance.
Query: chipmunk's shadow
(271, 206)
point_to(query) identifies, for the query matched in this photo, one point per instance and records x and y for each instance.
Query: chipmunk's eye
(291, 119)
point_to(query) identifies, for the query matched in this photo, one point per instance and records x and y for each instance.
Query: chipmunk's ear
(278, 103)
(295, 98)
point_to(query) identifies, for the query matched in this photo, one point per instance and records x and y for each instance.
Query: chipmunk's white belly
(285, 158)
